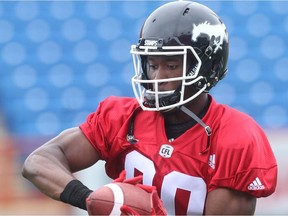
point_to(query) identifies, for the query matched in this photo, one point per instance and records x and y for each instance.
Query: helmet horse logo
(215, 32)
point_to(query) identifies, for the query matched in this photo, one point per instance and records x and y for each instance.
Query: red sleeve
(244, 159)
(102, 126)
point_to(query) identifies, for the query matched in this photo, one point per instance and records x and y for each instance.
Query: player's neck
(196, 106)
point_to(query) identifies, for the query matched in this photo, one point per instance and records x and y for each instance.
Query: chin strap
(197, 119)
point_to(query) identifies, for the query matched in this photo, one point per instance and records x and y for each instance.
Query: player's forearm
(47, 173)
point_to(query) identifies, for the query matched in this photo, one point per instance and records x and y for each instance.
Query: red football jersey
(237, 155)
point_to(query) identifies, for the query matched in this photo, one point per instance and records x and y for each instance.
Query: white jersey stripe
(258, 181)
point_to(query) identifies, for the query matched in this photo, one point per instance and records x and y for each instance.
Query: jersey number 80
(171, 182)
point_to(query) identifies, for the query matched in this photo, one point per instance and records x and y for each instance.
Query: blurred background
(59, 59)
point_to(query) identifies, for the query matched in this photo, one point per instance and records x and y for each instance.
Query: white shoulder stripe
(118, 198)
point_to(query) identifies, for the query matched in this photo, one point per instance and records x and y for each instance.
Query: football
(107, 200)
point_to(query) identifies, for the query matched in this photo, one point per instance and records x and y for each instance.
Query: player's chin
(170, 111)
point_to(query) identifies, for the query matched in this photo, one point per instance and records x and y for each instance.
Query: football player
(202, 156)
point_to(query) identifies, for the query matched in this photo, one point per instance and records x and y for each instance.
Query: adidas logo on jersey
(256, 185)
(211, 161)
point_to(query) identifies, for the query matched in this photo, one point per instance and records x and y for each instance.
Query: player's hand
(157, 204)
(126, 210)
(122, 178)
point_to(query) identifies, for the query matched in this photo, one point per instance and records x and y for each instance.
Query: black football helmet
(182, 28)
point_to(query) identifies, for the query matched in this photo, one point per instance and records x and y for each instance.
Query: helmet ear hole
(216, 74)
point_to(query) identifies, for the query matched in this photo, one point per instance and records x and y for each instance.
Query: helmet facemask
(147, 91)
